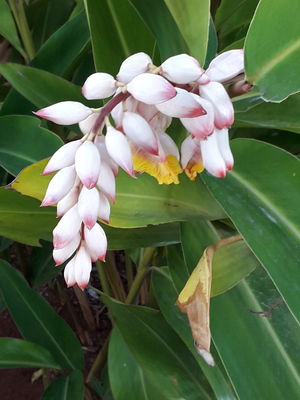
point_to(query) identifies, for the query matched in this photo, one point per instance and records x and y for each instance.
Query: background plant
(157, 233)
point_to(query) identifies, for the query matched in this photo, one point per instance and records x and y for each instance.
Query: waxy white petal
(183, 105)
(83, 267)
(212, 159)
(133, 66)
(61, 255)
(105, 157)
(104, 208)
(223, 109)
(88, 205)
(87, 164)
(200, 127)
(147, 111)
(119, 150)
(139, 132)
(59, 186)
(67, 202)
(63, 157)
(188, 148)
(181, 69)
(204, 79)
(167, 145)
(224, 147)
(65, 112)
(106, 182)
(67, 228)
(226, 65)
(99, 86)
(86, 126)
(96, 242)
(151, 89)
(69, 273)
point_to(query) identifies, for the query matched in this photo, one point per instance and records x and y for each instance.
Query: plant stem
(103, 278)
(128, 267)
(18, 11)
(99, 361)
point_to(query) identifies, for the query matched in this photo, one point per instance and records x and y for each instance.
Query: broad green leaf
(161, 23)
(272, 49)
(139, 201)
(157, 348)
(23, 141)
(166, 296)
(113, 36)
(18, 353)
(284, 115)
(126, 377)
(261, 196)
(37, 321)
(212, 45)
(263, 348)
(40, 87)
(8, 28)
(67, 43)
(70, 387)
(22, 219)
(192, 20)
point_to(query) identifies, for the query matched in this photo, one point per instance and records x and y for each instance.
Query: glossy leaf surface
(70, 387)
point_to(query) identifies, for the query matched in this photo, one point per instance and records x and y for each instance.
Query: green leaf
(157, 348)
(261, 196)
(193, 22)
(17, 353)
(22, 219)
(139, 202)
(8, 28)
(40, 87)
(166, 296)
(117, 19)
(272, 49)
(161, 23)
(126, 377)
(23, 141)
(70, 387)
(265, 350)
(68, 42)
(37, 321)
(284, 115)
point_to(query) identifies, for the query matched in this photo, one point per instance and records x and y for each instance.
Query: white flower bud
(133, 66)
(181, 69)
(61, 255)
(224, 147)
(63, 157)
(151, 89)
(99, 86)
(86, 126)
(67, 228)
(226, 65)
(69, 273)
(65, 112)
(83, 267)
(106, 182)
(212, 159)
(104, 208)
(96, 242)
(67, 202)
(87, 164)
(59, 186)
(88, 205)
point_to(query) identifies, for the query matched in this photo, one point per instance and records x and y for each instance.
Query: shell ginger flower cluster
(129, 132)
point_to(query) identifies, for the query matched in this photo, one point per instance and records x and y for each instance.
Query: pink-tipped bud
(223, 109)
(104, 208)
(65, 112)
(69, 273)
(67, 228)
(99, 86)
(212, 159)
(147, 111)
(188, 148)
(83, 267)
(200, 127)
(119, 150)
(61, 255)
(63, 157)
(105, 157)
(117, 114)
(59, 186)
(106, 182)
(96, 242)
(181, 69)
(87, 164)
(203, 80)
(67, 202)
(151, 89)
(86, 126)
(183, 105)
(167, 146)
(133, 66)
(224, 147)
(88, 205)
(139, 132)
(226, 65)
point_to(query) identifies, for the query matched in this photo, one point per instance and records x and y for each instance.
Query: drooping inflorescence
(129, 132)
